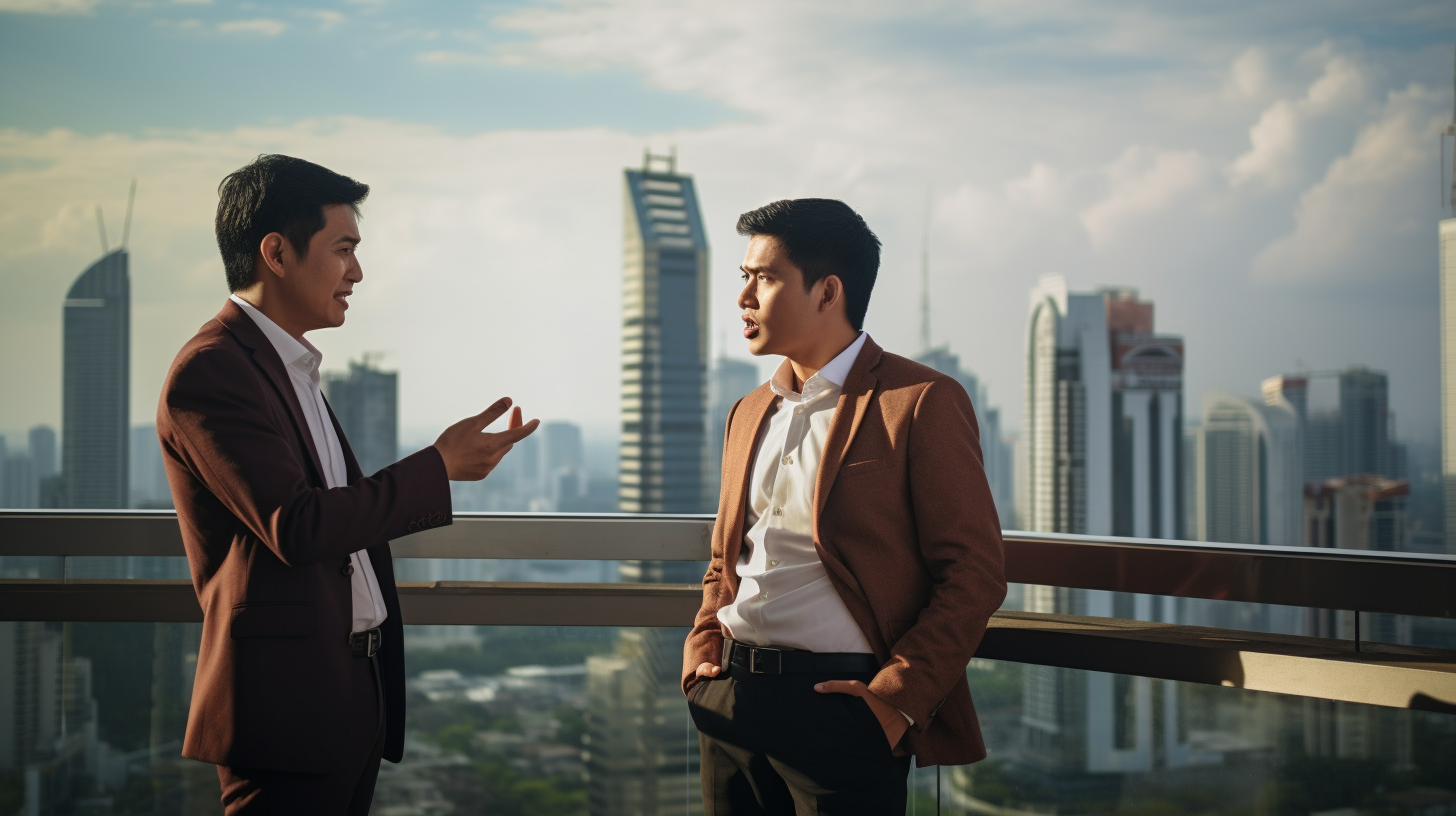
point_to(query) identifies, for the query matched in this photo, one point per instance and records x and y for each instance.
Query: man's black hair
(281, 194)
(823, 237)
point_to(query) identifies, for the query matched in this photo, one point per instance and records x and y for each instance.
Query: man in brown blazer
(300, 673)
(857, 555)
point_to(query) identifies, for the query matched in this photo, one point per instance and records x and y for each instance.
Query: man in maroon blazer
(300, 673)
(857, 555)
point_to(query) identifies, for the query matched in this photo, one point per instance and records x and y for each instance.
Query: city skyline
(1266, 180)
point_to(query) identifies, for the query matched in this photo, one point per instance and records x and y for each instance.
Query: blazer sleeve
(960, 543)
(704, 644)
(218, 426)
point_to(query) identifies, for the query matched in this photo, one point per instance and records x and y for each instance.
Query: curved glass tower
(96, 384)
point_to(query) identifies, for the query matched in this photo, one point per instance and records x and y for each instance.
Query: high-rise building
(366, 401)
(149, 488)
(664, 342)
(18, 485)
(1345, 421)
(1447, 238)
(42, 440)
(1104, 415)
(731, 380)
(1249, 465)
(1104, 449)
(562, 467)
(96, 384)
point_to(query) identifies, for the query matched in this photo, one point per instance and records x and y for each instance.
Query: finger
(515, 417)
(511, 436)
(492, 413)
(853, 687)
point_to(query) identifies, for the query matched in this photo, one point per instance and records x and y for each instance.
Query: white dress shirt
(784, 595)
(302, 361)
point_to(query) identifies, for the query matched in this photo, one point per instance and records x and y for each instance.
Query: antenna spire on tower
(1450, 131)
(925, 279)
(101, 227)
(126, 225)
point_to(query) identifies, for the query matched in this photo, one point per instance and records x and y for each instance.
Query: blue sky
(1264, 171)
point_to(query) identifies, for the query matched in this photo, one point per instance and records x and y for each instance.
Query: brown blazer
(908, 534)
(267, 544)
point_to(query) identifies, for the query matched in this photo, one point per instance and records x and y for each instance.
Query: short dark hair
(823, 237)
(274, 193)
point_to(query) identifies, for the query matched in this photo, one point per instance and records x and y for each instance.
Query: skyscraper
(96, 384)
(1344, 420)
(731, 380)
(1104, 437)
(149, 488)
(1104, 415)
(366, 401)
(1249, 469)
(664, 342)
(562, 466)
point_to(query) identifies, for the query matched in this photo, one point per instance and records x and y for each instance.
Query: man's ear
(271, 250)
(833, 294)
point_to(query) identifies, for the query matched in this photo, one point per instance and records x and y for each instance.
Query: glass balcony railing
(1123, 676)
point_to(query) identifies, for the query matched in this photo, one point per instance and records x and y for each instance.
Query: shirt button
(799, 410)
(788, 460)
(778, 511)
(773, 563)
(347, 570)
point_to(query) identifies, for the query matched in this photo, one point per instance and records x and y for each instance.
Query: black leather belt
(366, 644)
(778, 660)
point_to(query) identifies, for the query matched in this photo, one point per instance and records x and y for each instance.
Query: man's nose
(354, 273)
(746, 297)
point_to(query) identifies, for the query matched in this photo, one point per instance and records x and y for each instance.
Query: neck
(820, 352)
(270, 303)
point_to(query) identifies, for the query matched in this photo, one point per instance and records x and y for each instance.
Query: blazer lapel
(742, 441)
(266, 357)
(854, 401)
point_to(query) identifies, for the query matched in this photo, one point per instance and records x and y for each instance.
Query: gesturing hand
(471, 455)
(892, 722)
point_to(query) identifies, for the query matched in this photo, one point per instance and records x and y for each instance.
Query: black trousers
(772, 745)
(347, 792)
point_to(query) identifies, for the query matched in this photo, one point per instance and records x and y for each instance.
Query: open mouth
(750, 328)
(343, 298)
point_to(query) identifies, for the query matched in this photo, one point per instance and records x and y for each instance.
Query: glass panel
(589, 720)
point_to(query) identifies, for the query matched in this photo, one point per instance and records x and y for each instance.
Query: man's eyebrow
(751, 269)
(348, 239)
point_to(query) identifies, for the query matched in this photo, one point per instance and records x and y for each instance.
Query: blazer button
(347, 570)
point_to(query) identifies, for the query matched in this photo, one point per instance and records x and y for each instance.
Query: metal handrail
(1395, 583)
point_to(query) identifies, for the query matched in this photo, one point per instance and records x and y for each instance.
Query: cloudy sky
(1265, 172)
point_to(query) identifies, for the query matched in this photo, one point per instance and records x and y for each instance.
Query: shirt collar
(297, 354)
(830, 377)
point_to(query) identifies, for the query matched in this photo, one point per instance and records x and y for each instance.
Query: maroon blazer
(267, 542)
(908, 534)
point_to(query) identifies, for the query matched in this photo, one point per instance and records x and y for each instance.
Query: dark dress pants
(773, 746)
(346, 792)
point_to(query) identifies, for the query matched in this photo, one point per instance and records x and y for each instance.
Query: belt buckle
(376, 638)
(754, 653)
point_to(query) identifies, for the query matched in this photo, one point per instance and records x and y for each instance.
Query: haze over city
(1265, 174)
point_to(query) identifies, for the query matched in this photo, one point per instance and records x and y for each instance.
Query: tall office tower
(996, 455)
(642, 758)
(561, 463)
(47, 717)
(1250, 487)
(1344, 420)
(18, 485)
(1104, 415)
(729, 382)
(42, 439)
(1104, 436)
(664, 342)
(149, 488)
(1357, 513)
(96, 384)
(366, 401)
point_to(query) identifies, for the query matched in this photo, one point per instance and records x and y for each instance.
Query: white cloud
(1367, 209)
(1280, 142)
(266, 26)
(1145, 184)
